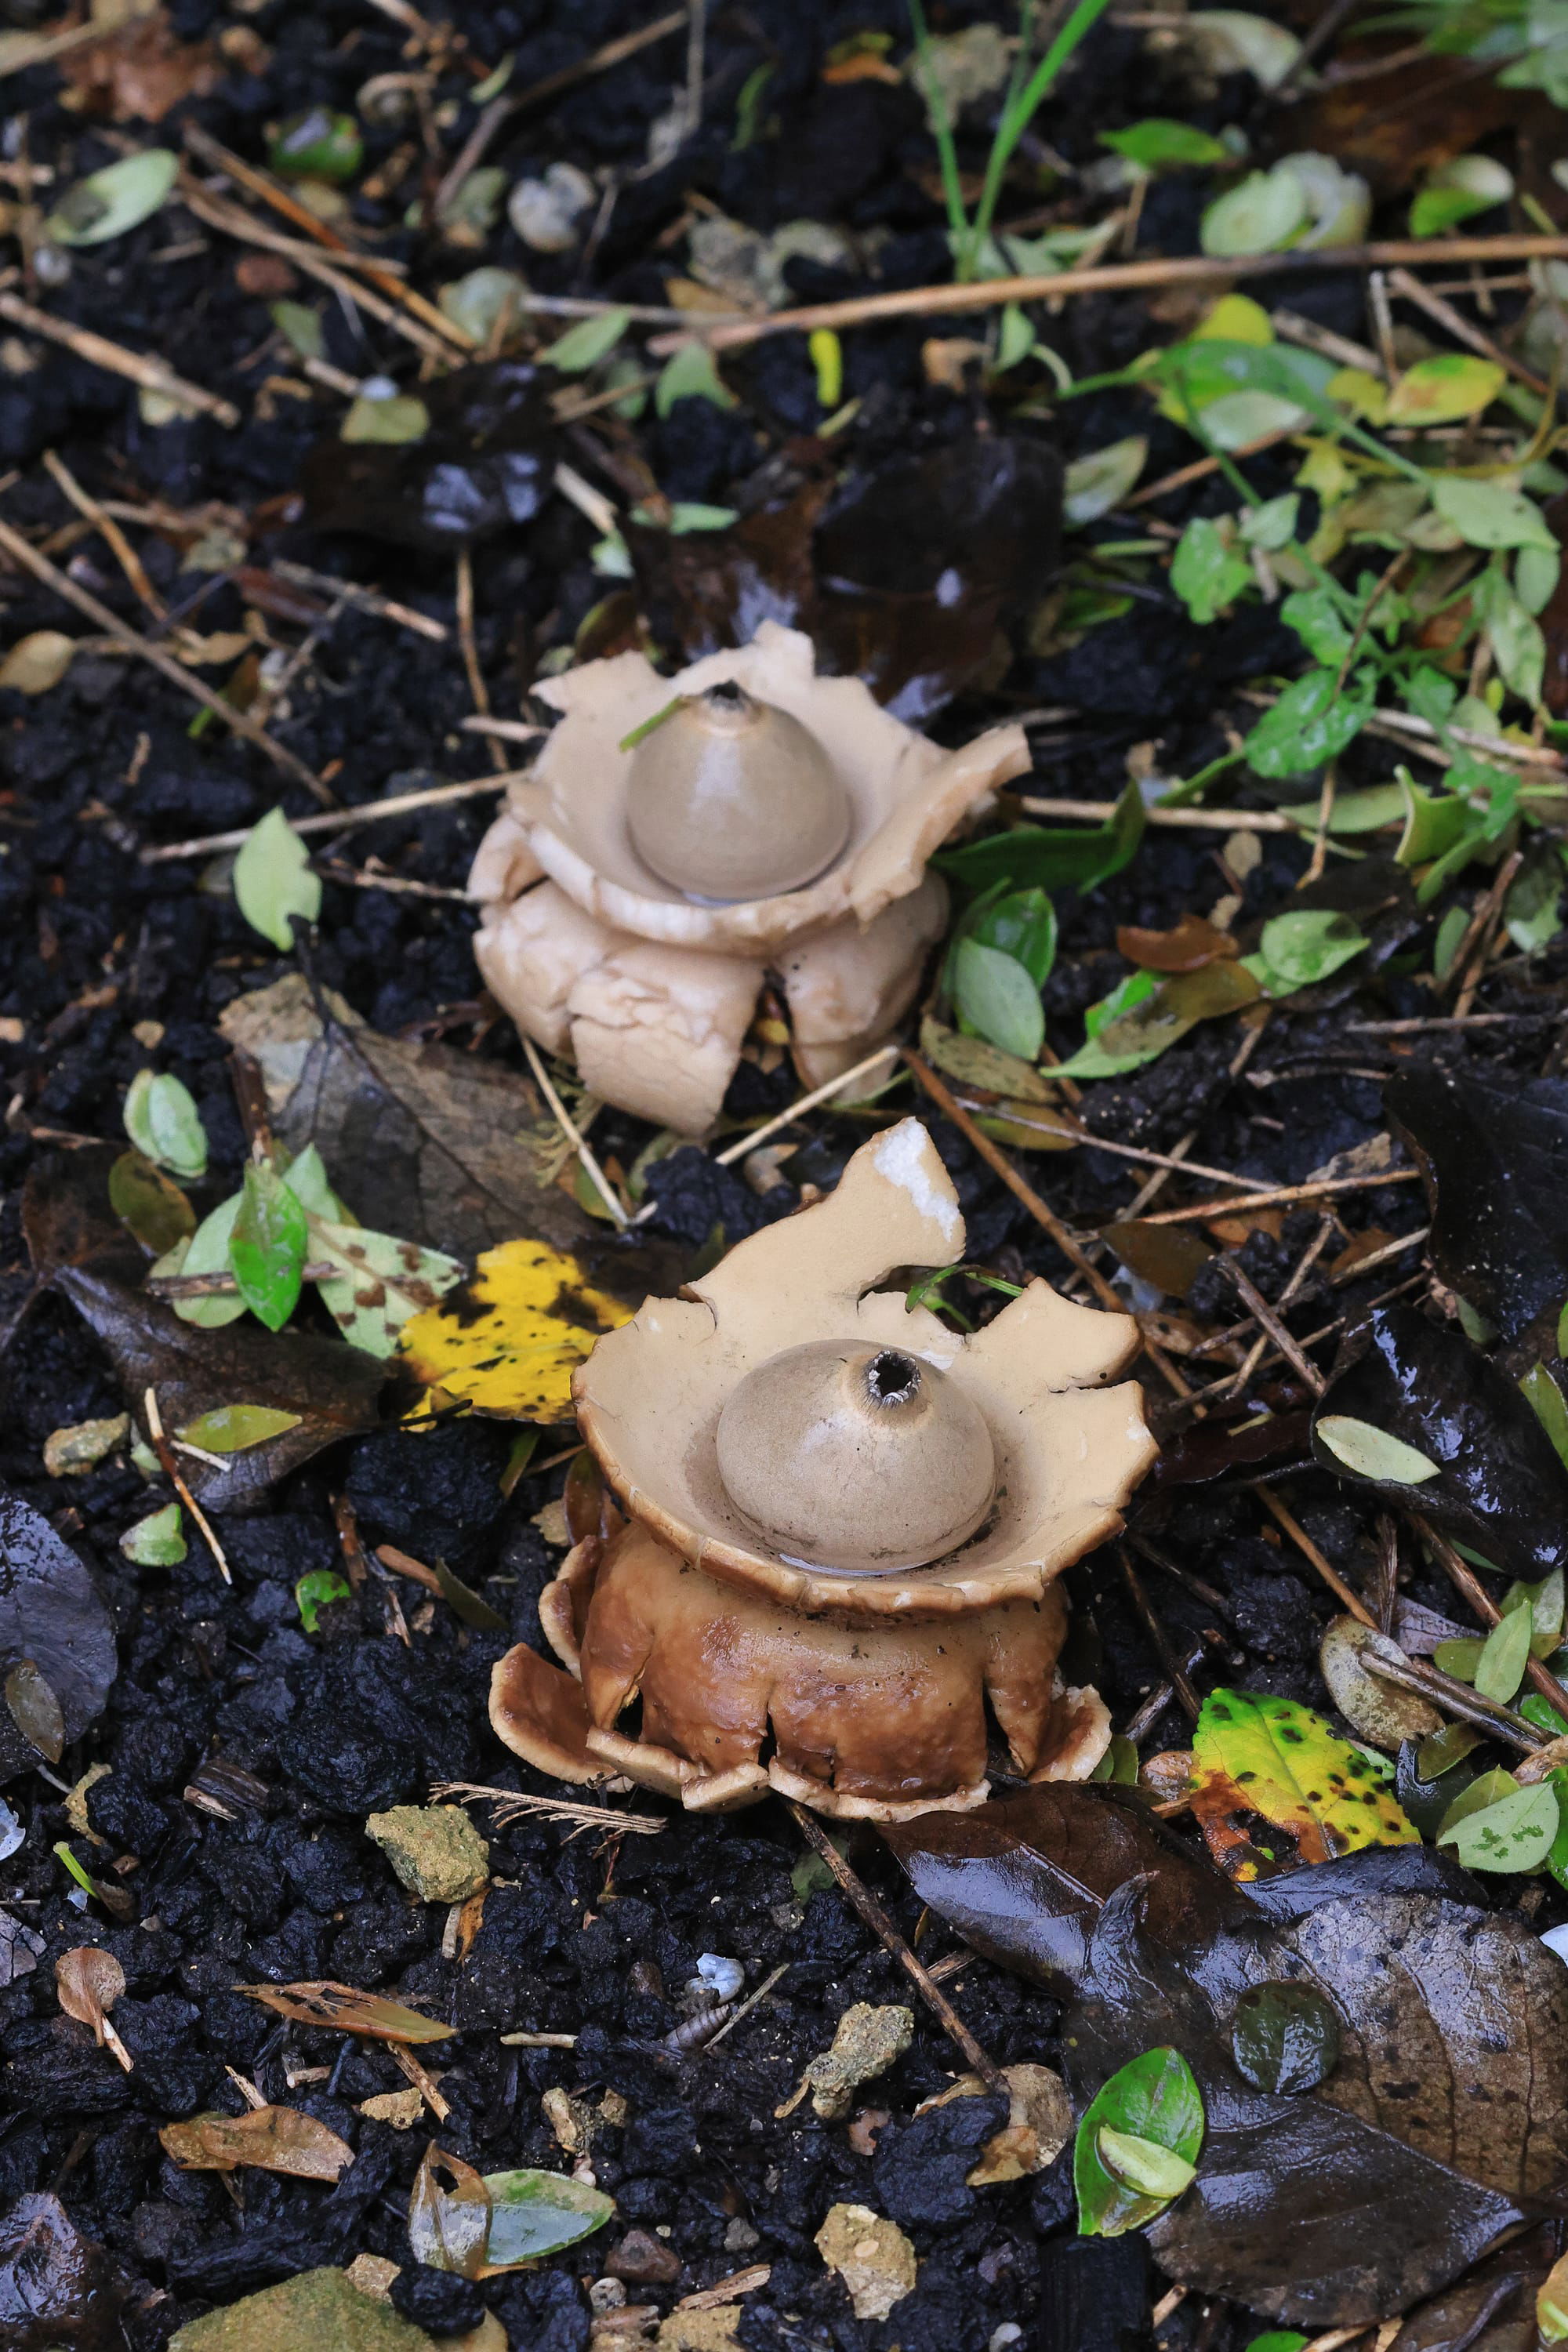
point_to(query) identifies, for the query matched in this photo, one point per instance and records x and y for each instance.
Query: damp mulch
(243, 1753)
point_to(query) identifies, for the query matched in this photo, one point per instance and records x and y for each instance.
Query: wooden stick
(822, 1094)
(126, 637)
(137, 367)
(1464, 1579)
(1279, 1198)
(1164, 1651)
(1196, 819)
(887, 1935)
(1118, 277)
(1264, 1315)
(165, 1454)
(125, 555)
(338, 820)
(574, 1137)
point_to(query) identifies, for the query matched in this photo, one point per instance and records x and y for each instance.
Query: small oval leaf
(1371, 1452)
(1285, 2036)
(273, 882)
(116, 199)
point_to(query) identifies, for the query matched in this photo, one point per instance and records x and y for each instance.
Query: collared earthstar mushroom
(845, 1523)
(677, 838)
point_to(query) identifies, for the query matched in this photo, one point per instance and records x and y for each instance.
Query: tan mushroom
(679, 838)
(846, 1523)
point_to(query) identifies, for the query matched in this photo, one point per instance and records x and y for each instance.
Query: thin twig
(750, 2003)
(1038, 1116)
(574, 1137)
(129, 641)
(1192, 820)
(1280, 1197)
(887, 1935)
(510, 1807)
(369, 599)
(1262, 1313)
(822, 1094)
(1457, 1698)
(207, 845)
(1118, 278)
(165, 1454)
(137, 367)
(1470, 961)
(1463, 329)
(1164, 1650)
(1319, 1242)
(125, 555)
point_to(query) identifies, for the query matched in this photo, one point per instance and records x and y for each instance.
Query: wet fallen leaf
(345, 2009)
(1334, 2206)
(1193, 943)
(1285, 2037)
(1273, 1786)
(1377, 1709)
(270, 2139)
(149, 1203)
(164, 1123)
(380, 1283)
(57, 2287)
(326, 1390)
(1492, 1157)
(1137, 2144)
(70, 1452)
(509, 1341)
(89, 1981)
(54, 1625)
(484, 466)
(1500, 1485)
(109, 203)
(480, 2224)
(138, 72)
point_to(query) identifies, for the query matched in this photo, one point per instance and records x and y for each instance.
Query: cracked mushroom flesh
(836, 1576)
(678, 839)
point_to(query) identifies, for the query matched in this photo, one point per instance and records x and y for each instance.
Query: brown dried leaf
(272, 2139)
(449, 2214)
(140, 73)
(342, 2009)
(89, 1981)
(35, 1710)
(1192, 944)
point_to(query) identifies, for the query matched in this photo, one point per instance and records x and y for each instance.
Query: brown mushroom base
(876, 1721)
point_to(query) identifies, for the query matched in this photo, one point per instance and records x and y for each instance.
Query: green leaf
(1440, 390)
(1143, 2165)
(1272, 525)
(208, 1254)
(1315, 616)
(230, 1428)
(1279, 2339)
(1313, 721)
(585, 344)
(1545, 1603)
(1460, 1658)
(1307, 945)
(380, 1282)
(1373, 1453)
(1499, 1669)
(1165, 1015)
(150, 1206)
(317, 144)
(1263, 213)
(1128, 993)
(158, 1540)
(694, 514)
(1155, 2098)
(481, 298)
(391, 419)
(267, 1247)
(1206, 572)
(1551, 2295)
(118, 198)
(994, 997)
(1031, 857)
(1515, 1832)
(273, 882)
(1272, 1786)
(1096, 485)
(688, 373)
(1158, 143)
(164, 1123)
(537, 2213)
(306, 1177)
(1021, 924)
(300, 328)
(1535, 576)
(1436, 210)
(1486, 515)
(317, 1591)
(1549, 1407)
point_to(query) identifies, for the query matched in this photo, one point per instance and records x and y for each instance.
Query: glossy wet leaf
(1096, 485)
(267, 2139)
(536, 2213)
(319, 1591)
(1373, 1453)
(994, 995)
(1207, 571)
(273, 883)
(467, 1604)
(1501, 1487)
(52, 1618)
(1546, 1401)
(508, 1341)
(119, 197)
(381, 1282)
(449, 2215)
(1162, 1018)
(344, 2010)
(1153, 2099)
(1285, 2036)
(1030, 857)
(1505, 1652)
(148, 1204)
(1273, 1786)
(158, 1540)
(33, 1707)
(1513, 1833)
(164, 1123)
(1022, 924)
(268, 1244)
(235, 1428)
(1485, 514)
(1377, 1709)
(1160, 144)
(1314, 721)
(1142, 2165)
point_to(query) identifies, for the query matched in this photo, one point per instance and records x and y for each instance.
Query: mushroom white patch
(904, 1156)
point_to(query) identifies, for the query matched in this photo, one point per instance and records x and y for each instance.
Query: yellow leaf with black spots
(509, 1341)
(1274, 1787)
